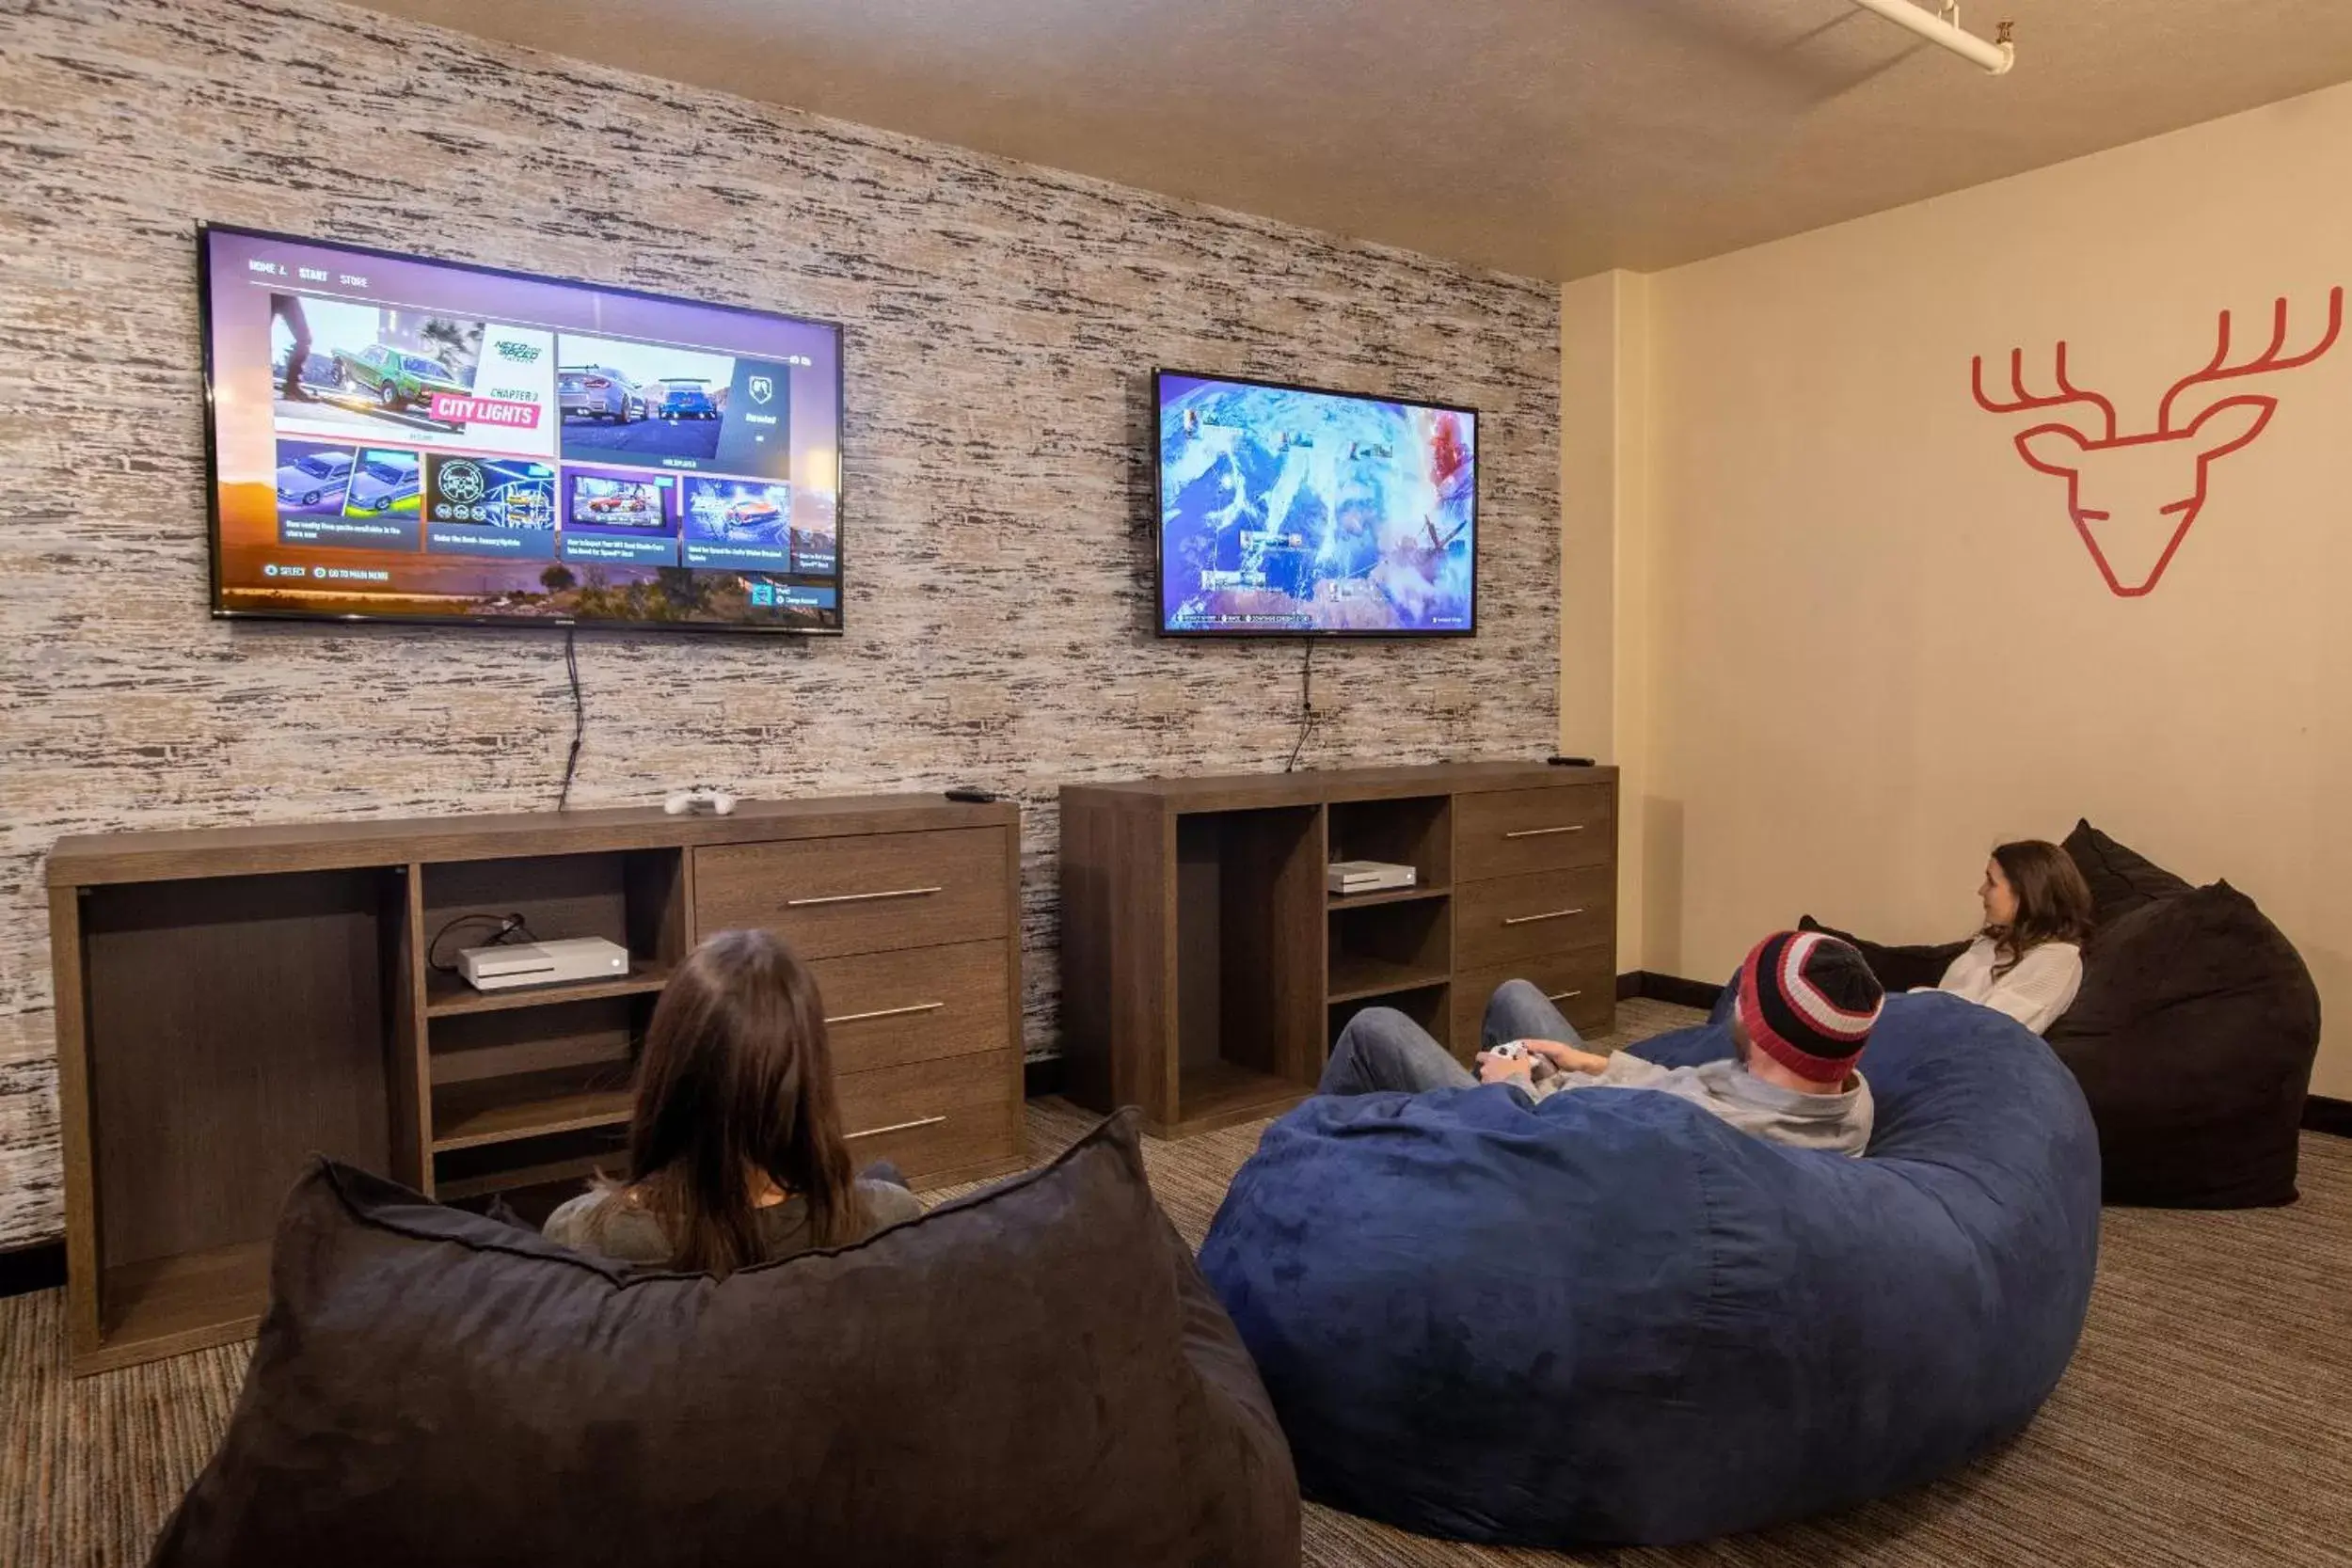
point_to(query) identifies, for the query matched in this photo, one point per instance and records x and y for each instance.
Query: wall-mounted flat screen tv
(1288, 512)
(403, 439)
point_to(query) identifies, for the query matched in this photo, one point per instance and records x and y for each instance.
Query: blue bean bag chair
(1611, 1318)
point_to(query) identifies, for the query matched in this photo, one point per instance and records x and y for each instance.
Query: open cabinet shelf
(1340, 901)
(450, 997)
(183, 1302)
(1355, 978)
(528, 1105)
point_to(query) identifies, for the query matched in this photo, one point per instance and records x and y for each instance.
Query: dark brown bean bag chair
(2193, 1035)
(1037, 1374)
(1897, 967)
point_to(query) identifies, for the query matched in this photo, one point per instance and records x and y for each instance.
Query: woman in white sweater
(2027, 960)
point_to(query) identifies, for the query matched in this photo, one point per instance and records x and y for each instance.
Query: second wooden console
(1206, 971)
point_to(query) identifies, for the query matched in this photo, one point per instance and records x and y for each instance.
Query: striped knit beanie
(1808, 1001)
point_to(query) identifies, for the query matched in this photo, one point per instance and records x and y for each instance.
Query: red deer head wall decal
(2133, 498)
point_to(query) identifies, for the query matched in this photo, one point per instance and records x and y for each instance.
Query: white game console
(543, 963)
(1352, 877)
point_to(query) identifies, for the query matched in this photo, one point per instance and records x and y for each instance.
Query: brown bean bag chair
(2193, 1035)
(1037, 1374)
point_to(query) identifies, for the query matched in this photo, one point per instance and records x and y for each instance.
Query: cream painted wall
(1873, 643)
(1604, 557)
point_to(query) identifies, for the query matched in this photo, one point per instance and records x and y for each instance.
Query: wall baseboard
(1671, 988)
(2326, 1114)
(2321, 1112)
(1042, 1075)
(32, 1268)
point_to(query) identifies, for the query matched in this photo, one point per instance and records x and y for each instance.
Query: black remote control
(972, 795)
(1558, 761)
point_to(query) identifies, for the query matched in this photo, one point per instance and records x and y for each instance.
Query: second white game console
(543, 963)
(1350, 877)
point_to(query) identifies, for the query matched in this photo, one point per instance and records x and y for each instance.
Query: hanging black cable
(511, 928)
(580, 719)
(1306, 705)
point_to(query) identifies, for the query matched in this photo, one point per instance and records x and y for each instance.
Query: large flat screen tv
(1288, 512)
(403, 439)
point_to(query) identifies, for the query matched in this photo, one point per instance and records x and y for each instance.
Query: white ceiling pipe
(1995, 57)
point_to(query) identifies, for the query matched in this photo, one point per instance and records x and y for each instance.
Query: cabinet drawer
(888, 1009)
(1512, 919)
(1503, 832)
(939, 1117)
(1581, 983)
(867, 895)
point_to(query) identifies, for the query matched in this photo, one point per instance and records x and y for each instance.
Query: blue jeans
(1382, 1048)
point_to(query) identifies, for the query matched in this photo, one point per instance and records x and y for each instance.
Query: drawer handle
(886, 1012)
(897, 1127)
(1539, 833)
(860, 897)
(1562, 995)
(1531, 919)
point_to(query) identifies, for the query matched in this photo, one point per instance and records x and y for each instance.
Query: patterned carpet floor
(2206, 1421)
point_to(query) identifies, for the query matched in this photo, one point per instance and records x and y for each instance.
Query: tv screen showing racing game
(1287, 512)
(405, 439)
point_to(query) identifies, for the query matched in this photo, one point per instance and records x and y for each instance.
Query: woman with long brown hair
(2027, 960)
(735, 1151)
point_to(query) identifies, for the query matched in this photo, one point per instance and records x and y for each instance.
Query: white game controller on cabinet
(703, 800)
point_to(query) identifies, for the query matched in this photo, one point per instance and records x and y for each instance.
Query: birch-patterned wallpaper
(1002, 320)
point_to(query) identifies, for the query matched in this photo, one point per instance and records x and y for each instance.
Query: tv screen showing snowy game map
(398, 439)
(1286, 512)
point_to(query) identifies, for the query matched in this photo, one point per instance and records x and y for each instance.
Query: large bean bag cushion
(1609, 1318)
(1034, 1375)
(2193, 1039)
(2193, 1034)
(2121, 879)
(1897, 967)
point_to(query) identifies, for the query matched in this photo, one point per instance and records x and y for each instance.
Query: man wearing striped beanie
(1801, 1013)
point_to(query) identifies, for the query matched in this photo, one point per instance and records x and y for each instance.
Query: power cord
(511, 928)
(580, 717)
(1306, 706)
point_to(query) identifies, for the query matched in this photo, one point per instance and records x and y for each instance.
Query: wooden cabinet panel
(875, 894)
(949, 1119)
(1509, 832)
(1518, 876)
(1581, 983)
(229, 999)
(888, 1009)
(1508, 919)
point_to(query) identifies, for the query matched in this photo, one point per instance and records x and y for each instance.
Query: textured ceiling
(1552, 137)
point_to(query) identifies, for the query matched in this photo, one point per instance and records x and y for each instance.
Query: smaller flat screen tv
(1289, 511)
(395, 439)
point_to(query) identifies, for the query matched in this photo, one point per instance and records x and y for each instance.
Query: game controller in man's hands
(1539, 1066)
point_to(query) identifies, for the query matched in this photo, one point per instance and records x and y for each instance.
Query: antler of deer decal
(2133, 498)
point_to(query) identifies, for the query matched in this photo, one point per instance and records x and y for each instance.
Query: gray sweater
(603, 1222)
(1839, 1123)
